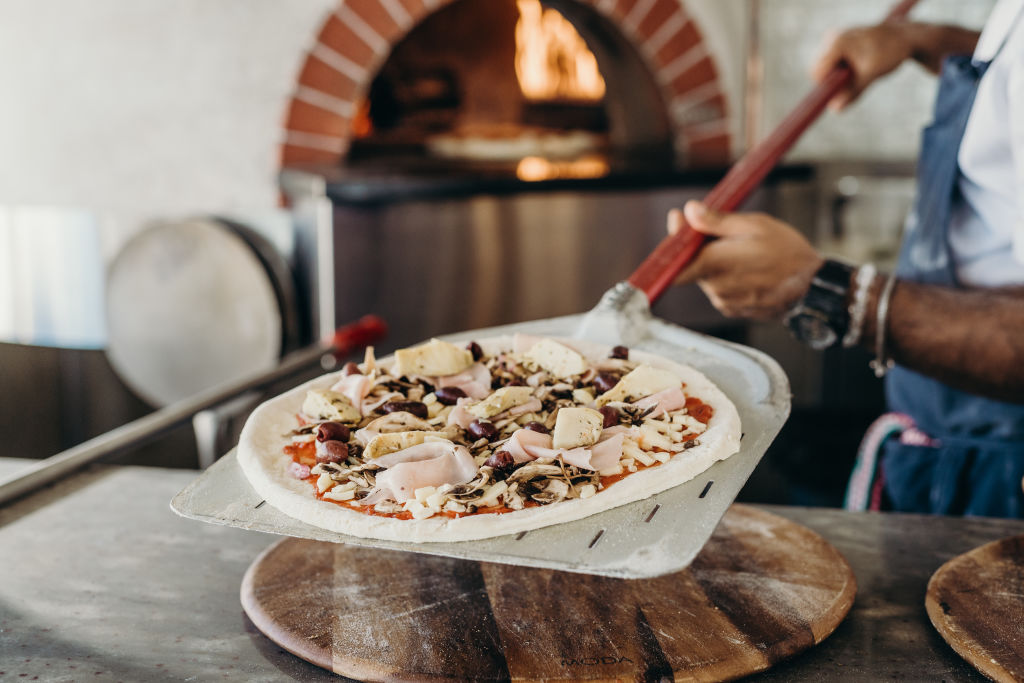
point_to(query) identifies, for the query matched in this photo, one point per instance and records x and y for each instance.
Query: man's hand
(757, 267)
(873, 51)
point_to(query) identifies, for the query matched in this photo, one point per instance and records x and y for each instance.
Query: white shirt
(986, 230)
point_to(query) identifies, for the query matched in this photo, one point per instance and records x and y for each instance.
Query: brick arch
(357, 37)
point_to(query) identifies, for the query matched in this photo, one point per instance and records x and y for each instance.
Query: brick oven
(435, 242)
(662, 76)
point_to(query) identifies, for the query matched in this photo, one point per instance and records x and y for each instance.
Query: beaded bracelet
(859, 304)
(882, 363)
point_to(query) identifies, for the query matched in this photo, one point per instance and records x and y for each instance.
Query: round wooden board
(763, 589)
(976, 602)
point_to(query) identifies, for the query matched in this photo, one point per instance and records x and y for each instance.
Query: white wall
(886, 122)
(141, 108)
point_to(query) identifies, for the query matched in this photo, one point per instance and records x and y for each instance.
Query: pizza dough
(266, 466)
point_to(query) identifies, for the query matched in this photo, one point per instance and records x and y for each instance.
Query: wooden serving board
(763, 589)
(976, 602)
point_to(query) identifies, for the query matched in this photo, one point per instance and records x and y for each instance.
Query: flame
(534, 169)
(362, 124)
(552, 60)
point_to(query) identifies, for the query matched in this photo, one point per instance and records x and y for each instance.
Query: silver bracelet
(859, 305)
(882, 363)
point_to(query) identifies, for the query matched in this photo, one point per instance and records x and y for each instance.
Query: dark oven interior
(506, 79)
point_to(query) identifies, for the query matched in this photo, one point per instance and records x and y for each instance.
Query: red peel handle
(673, 253)
(363, 332)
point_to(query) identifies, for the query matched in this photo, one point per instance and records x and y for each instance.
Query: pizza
(463, 441)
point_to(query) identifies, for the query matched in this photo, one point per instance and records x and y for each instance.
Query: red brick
(292, 155)
(622, 8)
(697, 75)
(710, 151)
(306, 118)
(320, 76)
(718, 103)
(706, 110)
(683, 40)
(377, 16)
(416, 9)
(339, 37)
(661, 12)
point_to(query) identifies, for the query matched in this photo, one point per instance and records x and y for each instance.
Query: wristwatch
(821, 318)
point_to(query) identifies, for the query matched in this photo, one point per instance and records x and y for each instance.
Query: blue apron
(977, 465)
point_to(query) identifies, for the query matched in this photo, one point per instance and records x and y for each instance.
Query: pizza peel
(650, 537)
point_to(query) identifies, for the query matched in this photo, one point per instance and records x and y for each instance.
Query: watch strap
(826, 299)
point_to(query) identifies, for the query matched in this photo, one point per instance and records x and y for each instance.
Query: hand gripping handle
(674, 252)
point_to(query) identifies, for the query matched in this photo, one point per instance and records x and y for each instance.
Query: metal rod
(146, 428)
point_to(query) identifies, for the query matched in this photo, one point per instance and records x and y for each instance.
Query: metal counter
(100, 581)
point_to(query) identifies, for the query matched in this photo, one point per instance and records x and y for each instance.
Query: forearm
(972, 340)
(930, 44)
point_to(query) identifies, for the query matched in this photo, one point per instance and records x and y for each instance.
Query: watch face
(813, 330)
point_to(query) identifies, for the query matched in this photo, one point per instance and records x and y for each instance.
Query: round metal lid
(190, 305)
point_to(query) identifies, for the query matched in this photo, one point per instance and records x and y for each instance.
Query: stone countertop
(100, 580)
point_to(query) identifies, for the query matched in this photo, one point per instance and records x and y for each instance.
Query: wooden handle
(363, 332)
(674, 252)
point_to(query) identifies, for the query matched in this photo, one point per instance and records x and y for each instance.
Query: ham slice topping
(432, 463)
(357, 389)
(354, 387)
(475, 381)
(601, 456)
(664, 401)
(525, 445)
(521, 343)
(459, 415)
(298, 470)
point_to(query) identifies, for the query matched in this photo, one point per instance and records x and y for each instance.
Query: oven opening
(542, 90)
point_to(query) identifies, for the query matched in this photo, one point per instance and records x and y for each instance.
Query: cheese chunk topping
(576, 427)
(642, 381)
(383, 444)
(330, 405)
(436, 358)
(557, 359)
(500, 401)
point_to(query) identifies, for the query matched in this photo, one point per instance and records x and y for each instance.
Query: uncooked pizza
(457, 442)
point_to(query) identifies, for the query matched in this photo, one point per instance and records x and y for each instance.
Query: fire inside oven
(554, 88)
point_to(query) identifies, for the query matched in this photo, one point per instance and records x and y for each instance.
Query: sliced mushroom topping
(474, 487)
(554, 491)
(538, 379)
(532, 470)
